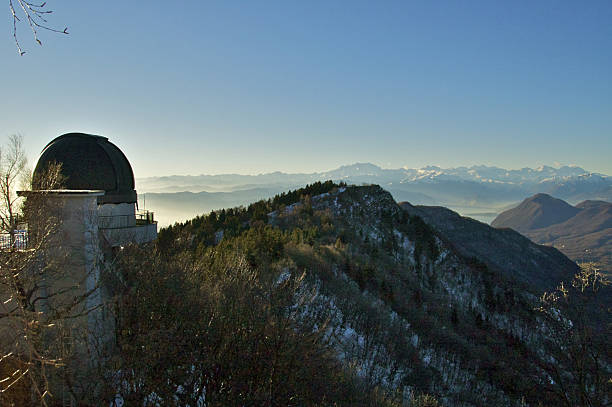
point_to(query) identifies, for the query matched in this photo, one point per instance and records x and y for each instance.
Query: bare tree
(24, 359)
(580, 372)
(36, 16)
(13, 169)
(44, 304)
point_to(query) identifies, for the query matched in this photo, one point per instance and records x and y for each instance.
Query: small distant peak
(358, 165)
(367, 166)
(592, 203)
(540, 197)
(544, 168)
(405, 204)
(357, 169)
(547, 200)
(484, 167)
(538, 211)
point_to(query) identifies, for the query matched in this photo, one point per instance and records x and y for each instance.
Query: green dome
(90, 162)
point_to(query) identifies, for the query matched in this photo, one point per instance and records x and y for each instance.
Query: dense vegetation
(204, 317)
(328, 295)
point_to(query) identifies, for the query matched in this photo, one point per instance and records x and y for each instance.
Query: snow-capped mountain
(478, 191)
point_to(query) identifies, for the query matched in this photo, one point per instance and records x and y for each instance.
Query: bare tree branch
(13, 165)
(36, 16)
(43, 302)
(581, 375)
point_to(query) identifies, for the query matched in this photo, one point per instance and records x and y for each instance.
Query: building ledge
(63, 192)
(121, 236)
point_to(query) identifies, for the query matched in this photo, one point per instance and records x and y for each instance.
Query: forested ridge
(327, 295)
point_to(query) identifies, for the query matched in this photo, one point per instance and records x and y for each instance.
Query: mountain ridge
(583, 232)
(538, 211)
(475, 172)
(407, 305)
(502, 250)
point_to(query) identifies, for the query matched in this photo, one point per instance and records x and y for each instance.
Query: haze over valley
(480, 192)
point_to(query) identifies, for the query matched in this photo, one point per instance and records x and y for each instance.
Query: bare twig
(36, 16)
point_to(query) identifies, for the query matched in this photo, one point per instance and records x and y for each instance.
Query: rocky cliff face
(418, 299)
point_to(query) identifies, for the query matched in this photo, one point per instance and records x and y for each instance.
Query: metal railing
(144, 217)
(141, 218)
(115, 221)
(20, 242)
(126, 221)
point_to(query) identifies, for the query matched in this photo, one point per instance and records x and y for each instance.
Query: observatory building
(85, 215)
(98, 187)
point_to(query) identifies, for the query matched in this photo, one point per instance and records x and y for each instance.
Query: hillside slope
(503, 250)
(409, 302)
(535, 212)
(582, 232)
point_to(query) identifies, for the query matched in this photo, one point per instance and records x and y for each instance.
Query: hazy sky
(196, 87)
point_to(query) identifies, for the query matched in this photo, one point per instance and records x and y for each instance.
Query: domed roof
(90, 162)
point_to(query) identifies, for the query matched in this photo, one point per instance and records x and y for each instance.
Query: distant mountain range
(582, 232)
(478, 191)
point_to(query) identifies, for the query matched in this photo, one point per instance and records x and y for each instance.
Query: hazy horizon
(480, 192)
(405, 167)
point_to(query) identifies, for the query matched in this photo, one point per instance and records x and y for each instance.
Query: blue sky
(248, 87)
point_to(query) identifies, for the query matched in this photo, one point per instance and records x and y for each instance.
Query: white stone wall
(76, 270)
(135, 234)
(121, 215)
